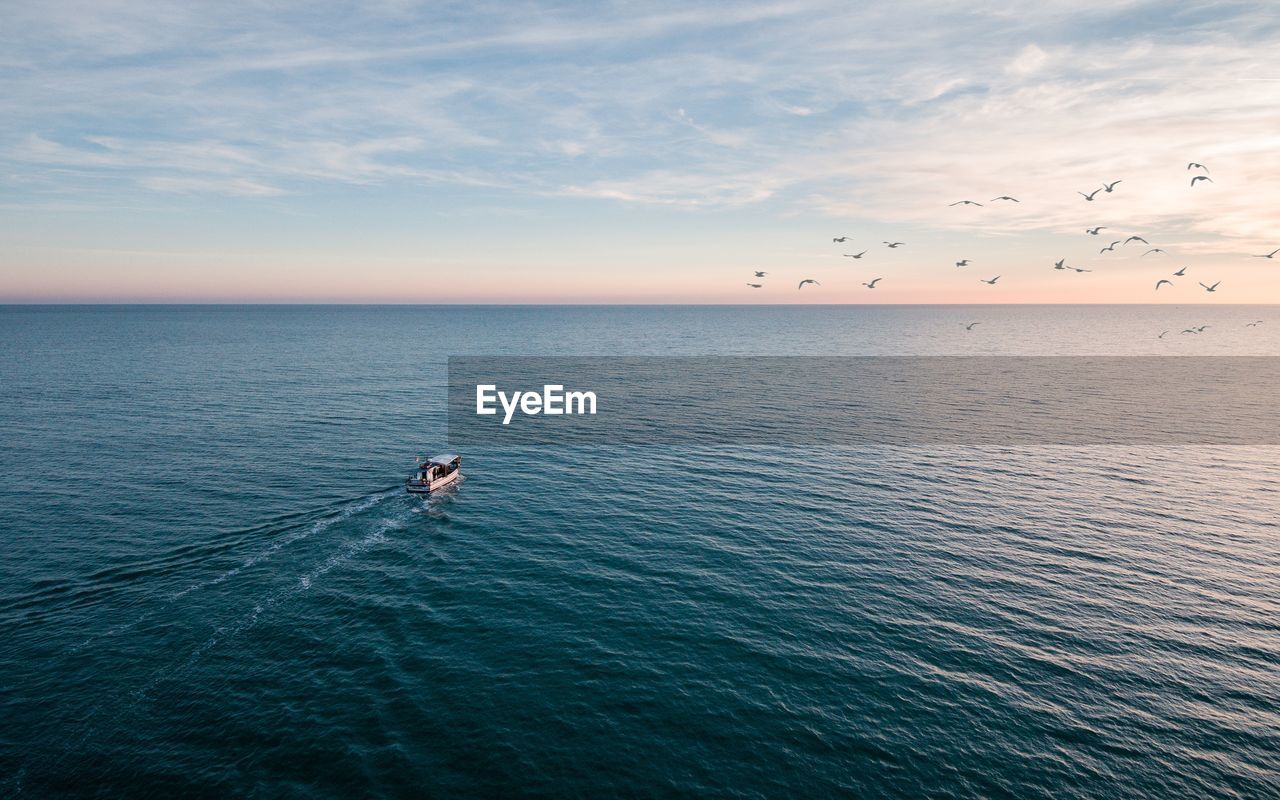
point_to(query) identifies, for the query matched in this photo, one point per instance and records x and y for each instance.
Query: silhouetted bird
(808, 280)
(1161, 282)
(1201, 178)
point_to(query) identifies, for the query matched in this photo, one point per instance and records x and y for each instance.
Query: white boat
(434, 473)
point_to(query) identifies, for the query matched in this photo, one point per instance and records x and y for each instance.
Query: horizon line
(350, 304)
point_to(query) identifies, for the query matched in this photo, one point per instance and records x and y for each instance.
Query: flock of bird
(1060, 264)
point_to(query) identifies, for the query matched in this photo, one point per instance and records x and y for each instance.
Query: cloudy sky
(635, 152)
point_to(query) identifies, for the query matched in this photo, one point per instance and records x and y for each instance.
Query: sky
(638, 152)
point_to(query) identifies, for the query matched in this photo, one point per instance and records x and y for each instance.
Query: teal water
(213, 584)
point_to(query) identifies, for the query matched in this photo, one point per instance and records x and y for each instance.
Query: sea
(213, 583)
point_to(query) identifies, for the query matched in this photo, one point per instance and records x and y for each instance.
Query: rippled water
(213, 583)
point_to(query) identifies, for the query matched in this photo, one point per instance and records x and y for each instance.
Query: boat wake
(434, 504)
(319, 526)
(303, 583)
(364, 504)
(110, 707)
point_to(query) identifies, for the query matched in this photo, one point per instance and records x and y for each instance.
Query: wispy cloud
(1073, 125)
(188, 185)
(880, 114)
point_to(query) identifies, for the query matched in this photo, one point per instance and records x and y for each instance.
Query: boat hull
(426, 487)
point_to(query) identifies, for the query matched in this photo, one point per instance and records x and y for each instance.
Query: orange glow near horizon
(411, 281)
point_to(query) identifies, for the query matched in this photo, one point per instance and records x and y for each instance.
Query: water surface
(214, 585)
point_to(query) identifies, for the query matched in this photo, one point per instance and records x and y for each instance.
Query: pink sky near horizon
(240, 279)
(911, 294)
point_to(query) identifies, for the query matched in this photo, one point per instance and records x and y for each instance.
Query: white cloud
(188, 185)
(1028, 61)
(1074, 128)
(886, 112)
(715, 136)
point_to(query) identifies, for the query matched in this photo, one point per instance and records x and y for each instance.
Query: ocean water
(214, 585)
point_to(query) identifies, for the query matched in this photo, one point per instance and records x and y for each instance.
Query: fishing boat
(434, 473)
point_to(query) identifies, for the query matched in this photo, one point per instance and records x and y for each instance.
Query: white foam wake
(263, 555)
(303, 583)
(318, 526)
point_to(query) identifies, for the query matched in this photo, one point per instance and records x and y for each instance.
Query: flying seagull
(894, 244)
(1090, 195)
(1004, 197)
(842, 238)
(1180, 273)
(1254, 324)
(1161, 282)
(964, 262)
(1136, 239)
(1201, 328)
(1272, 254)
(1162, 333)
(761, 274)
(965, 203)
(1094, 231)
(755, 285)
(1077, 269)
(969, 327)
(1194, 165)
(1212, 288)
(808, 280)
(1110, 247)
(992, 281)
(1153, 250)
(1188, 330)
(873, 283)
(1061, 264)
(855, 255)
(1201, 178)
(1109, 186)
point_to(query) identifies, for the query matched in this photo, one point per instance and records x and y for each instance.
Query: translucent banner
(888, 400)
